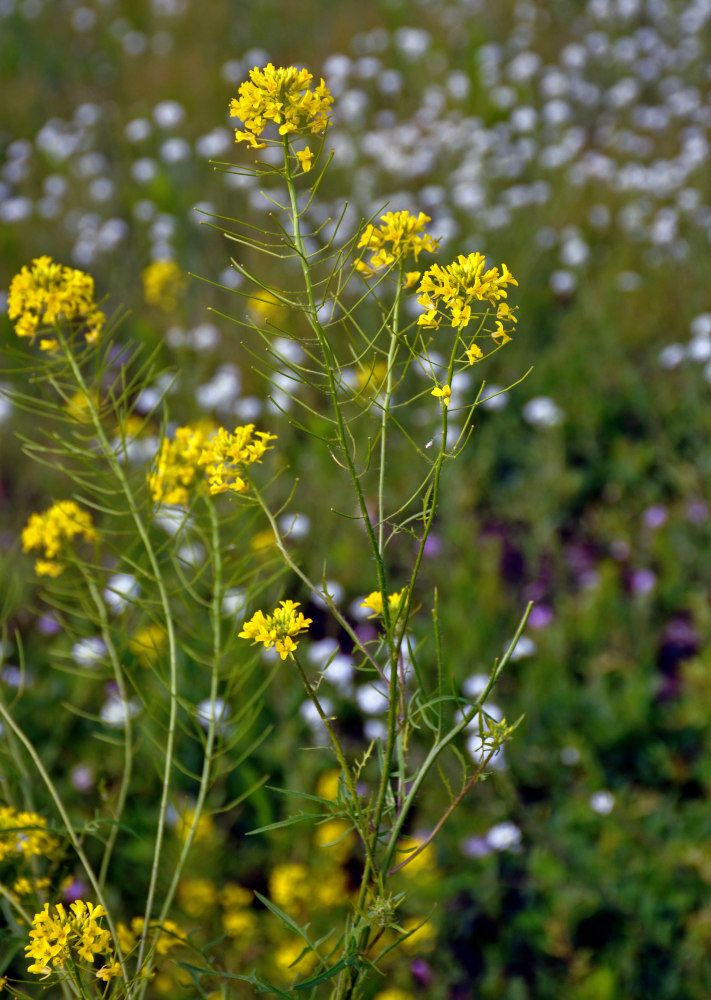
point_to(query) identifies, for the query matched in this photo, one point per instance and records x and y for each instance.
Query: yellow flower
(227, 457)
(163, 284)
(290, 886)
(411, 279)
(327, 784)
(147, 644)
(46, 294)
(286, 955)
(283, 96)
(276, 630)
(79, 406)
(177, 466)
(423, 866)
(305, 159)
(265, 307)
(239, 924)
(374, 601)
(449, 293)
(423, 936)
(445, 393)
(474, 354)
(109, 971)
(59, 937)
(197, 896)
(337, 837)
(234, 896)
(52, 531)
(24, 835)
(399, 235)
(394, 993)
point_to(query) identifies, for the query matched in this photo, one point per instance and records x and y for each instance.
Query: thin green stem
(120, 475)
(213, 721)
(128, 731)
(392, 351)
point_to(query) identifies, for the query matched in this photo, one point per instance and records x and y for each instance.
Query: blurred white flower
(602, 802)
(541, 411)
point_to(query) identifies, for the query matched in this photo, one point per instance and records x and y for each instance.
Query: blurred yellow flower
(52, 531)
(197, 896)
(398, 236)
(46, 294)
(163, 284)
(176, 466)
(24, 835)
(148, 644)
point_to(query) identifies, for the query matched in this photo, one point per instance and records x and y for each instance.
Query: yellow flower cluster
(163, 284)
(24, 835)
(52, 531)
(283, 96)
(46, 294)
(398, 236)
(148, 643)
(170, 936)
(227, 457)
(62, 937)
(374, 601)
(449, 293)
(176, 466)
(277, 628)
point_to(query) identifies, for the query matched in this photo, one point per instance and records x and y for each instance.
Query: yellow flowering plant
(186, 547)
(136, 564)
(369, 302)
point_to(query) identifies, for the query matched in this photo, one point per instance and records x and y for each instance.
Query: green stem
(128, 733)
(120, 475)
(392, 351)
(210, 739)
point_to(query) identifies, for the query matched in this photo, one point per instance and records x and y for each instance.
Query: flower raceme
(374, 601)
(53, 530)
(46, 294)
(398, 236)
(24, 835)
(176, 466)
(163, 284)
(227, 457)
(283, 96)
(224, 457)
(277, 629)
(448, 293)
(59, 937)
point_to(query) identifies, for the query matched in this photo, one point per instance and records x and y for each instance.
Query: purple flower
(642, 581)
(541, 616)
(655, 516)
(476, 847)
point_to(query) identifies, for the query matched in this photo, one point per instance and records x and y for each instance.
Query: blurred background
(570, 139)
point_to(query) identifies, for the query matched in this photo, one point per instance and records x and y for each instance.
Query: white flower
(602, 802)
(234, 602)
(504, 836)
(541, 412)
(207, 712)
(115, 712)
(88, 652)
(120, 590)
(524, 647)
(371, 700)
